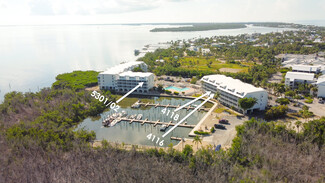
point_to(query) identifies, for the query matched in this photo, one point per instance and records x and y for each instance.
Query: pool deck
(174, 88)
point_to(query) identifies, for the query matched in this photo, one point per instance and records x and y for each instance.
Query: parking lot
(224, 137)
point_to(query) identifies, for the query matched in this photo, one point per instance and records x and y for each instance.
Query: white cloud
(3, 4)
(123, 6)
(135, 11)
(41, 7)
(84, 7)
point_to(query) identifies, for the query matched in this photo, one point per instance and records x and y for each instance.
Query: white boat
(133, 116)
(139, 116)
(106, 122)
(114, 122)
(124, 113)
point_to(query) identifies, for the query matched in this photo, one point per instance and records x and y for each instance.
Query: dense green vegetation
(276, 112)
(37, 130)
(216, 26)
(66, 156)
(201, 27)
(76, 80)
(48, 116)
(252, 58)
(177, 66)
(283, 101)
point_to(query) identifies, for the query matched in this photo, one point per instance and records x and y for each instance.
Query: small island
(189, 27)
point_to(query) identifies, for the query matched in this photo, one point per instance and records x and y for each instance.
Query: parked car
(321, 101)
(223, 121)
(220, 126)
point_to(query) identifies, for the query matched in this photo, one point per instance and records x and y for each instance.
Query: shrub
(309, 101)
(283, 101)
(284, 70)
(276, 112)
(201, 133)
(176, 93)
(168, 92)
(193, 80)
(212, 130)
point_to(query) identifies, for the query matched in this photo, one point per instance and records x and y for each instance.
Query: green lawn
(202, 64)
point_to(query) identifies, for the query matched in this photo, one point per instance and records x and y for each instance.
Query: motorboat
(124, 114)
(106, 122)
(139, 116)
(133, 116)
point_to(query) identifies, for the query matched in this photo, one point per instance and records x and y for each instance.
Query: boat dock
(176, 138)
(155, 123)
(138, 104)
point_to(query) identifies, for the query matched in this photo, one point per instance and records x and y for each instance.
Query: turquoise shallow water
(176, 88)
(136, 133)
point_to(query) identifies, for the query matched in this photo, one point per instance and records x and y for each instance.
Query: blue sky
(151, 11)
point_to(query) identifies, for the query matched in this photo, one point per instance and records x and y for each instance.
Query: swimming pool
(176, 88)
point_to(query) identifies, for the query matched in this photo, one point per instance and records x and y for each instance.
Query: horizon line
(152, 23)
(301, 22)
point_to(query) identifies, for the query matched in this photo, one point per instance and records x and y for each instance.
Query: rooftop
(121, 67)
(307, 68)
(290, 60)
(135, 74)
(231, 85)
(300, 75)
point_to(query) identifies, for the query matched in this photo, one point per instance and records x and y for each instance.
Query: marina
(132, 119)
(134, 124)
(148, 104)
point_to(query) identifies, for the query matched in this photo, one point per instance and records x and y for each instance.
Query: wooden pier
(176, 138)
(155, 123)
(166, 106)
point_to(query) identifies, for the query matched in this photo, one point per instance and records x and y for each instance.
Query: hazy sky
(147, 11)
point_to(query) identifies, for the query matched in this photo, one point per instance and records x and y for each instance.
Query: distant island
(188, 27)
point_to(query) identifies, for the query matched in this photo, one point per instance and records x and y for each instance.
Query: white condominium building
(121, 79)
(231, 90)
(321, 86)
(294, 78)
(307, 68)
(126, 81)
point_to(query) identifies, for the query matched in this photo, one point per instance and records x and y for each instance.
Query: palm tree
(314, 89)
(197, 140)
